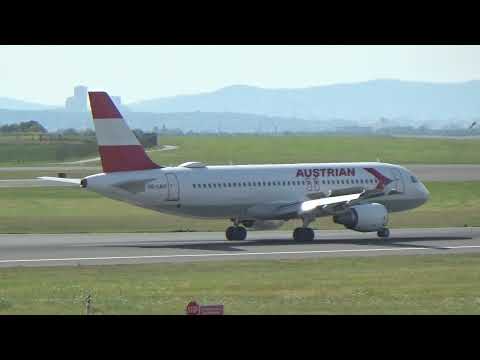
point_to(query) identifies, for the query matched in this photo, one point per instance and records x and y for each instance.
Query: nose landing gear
(384, 233)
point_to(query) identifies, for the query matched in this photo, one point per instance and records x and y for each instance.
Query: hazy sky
(47, 74)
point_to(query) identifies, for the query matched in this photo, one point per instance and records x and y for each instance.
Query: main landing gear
(384, 233)
(236, 233)
(304, 233)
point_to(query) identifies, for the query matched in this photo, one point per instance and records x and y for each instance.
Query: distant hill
(408, 102)
(13, 104)
(194, 121)
(240, 108)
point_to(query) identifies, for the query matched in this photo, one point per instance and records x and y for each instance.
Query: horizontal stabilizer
(64, 180)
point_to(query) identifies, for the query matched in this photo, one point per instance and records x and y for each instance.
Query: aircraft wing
(58, 179)
(324, 206)
(310, 205)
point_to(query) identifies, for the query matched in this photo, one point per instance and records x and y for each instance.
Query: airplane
(358, 195)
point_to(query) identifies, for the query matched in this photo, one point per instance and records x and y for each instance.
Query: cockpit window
(414, 179)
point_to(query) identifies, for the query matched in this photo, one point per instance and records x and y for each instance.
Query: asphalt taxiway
(95, 249)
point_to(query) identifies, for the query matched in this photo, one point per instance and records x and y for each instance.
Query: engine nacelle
(263, 224)
(364, 218)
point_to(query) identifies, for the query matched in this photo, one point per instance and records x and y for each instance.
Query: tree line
(23, 127)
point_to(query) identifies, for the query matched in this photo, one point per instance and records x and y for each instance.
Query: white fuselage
(250, 191)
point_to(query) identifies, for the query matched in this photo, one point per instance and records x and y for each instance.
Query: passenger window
(414, 179)
(245, 184)
(229, 184)
(194, 186)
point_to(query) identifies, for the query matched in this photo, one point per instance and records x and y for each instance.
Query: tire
(230, 233)
(241, 233)
(234, 233)
(309, 234)
(303, 234)
(296, 234)
(384, 233)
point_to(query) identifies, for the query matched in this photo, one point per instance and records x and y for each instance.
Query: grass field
(28, 174)
(32, 153)
(58, 210)
(243, 149)
(421, 284)
(294, 149)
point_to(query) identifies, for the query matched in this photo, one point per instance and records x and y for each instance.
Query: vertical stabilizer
(118, 146)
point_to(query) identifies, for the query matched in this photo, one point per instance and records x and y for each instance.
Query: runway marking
(237, 254)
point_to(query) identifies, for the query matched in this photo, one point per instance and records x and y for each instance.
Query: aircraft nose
(424, 193)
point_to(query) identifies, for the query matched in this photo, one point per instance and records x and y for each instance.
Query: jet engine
(364, 218)
(262, 224)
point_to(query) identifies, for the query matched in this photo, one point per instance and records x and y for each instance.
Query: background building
(77, 102)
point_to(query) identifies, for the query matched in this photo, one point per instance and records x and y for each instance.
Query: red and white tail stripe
(118, 147)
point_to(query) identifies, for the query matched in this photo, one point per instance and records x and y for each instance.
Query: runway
(95, 249)
(452, 172)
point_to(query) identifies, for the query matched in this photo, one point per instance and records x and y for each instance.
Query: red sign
(193, 308)
(211, 310)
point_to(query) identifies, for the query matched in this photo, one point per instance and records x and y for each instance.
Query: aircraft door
(173, 187)
(398, 183)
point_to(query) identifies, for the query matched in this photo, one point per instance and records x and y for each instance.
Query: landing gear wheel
(242, 233)
(384, 233)
(303, 234)
(236, 233)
